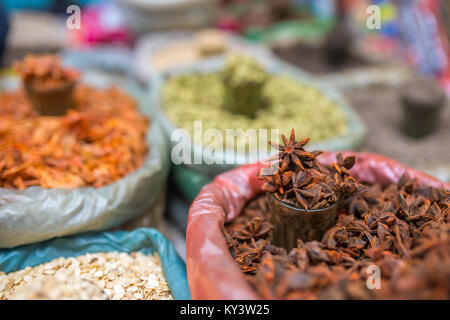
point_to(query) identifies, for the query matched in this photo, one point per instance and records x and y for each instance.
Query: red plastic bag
(212, 272)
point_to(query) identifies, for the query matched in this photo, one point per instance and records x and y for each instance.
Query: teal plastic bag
(189, 181)
(145, 240)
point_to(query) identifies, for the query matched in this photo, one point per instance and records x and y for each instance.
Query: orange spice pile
(101, 141)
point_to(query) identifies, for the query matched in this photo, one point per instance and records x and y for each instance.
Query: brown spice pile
(95, 145)
(111, 275)
(403, 229)
(426, 154)
(312, 58)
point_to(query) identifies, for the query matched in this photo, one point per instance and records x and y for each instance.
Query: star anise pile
(298, 179)
(404, 230)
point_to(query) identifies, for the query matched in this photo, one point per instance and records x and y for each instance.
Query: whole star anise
(277, 182)
(292, 152)
(298, 179)
(256, 229)
(302, 186)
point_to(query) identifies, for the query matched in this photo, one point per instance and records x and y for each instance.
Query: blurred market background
(140, 38)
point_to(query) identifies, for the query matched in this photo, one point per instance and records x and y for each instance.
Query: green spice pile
(288, 103)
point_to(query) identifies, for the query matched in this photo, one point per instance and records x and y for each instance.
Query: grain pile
(111, 275)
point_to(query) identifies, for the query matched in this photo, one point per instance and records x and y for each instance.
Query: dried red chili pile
(299, 180)
(100, 142)
(403, 229)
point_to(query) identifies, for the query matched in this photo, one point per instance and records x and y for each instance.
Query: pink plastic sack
(212, 272)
